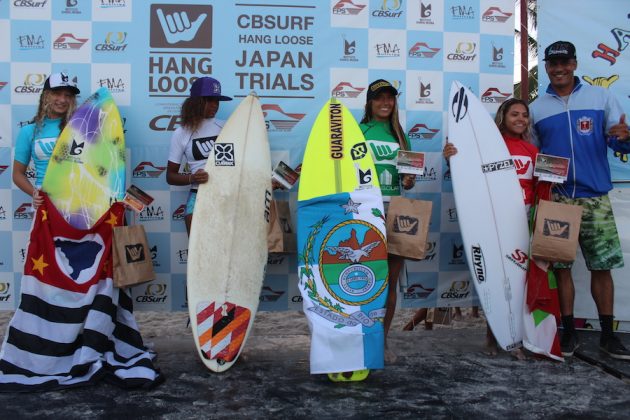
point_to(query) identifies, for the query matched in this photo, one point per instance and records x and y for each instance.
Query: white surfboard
(227, 250)
(491, 213)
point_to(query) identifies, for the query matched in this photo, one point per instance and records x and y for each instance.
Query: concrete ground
(439, 373)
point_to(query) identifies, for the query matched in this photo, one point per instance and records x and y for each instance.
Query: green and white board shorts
(598, 237)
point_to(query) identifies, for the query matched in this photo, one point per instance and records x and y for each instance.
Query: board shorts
(599, 240)
(190, 202)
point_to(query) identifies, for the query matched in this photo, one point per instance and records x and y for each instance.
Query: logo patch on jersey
(585, 126)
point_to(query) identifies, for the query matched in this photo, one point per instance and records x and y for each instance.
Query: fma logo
(278, 120)
(154, 293)
(421, 131)
(152, 213)
(31, 42)
(33, 83)
(346, 90)
(422, 50)
(181, 26)
(67, 41)
(267, 294)
(347, 7)
(494, 14)
(113, 84)
(3, 168)
(182, 256)
(2, 84)
(389, 9)
(462, 12)
(148, 170)
(114, 42)
(452, 214)
(429, 174)
(106, 4)
(494, 96)
(387, 50)
(3, 213)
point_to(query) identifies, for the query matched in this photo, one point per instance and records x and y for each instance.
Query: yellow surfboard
(336, 158)
(342, 265)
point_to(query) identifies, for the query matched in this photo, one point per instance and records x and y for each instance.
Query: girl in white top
(194, 140)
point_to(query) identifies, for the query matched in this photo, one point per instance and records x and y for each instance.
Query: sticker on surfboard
(221, 329)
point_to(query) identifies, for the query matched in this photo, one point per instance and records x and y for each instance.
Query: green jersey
(384, 148)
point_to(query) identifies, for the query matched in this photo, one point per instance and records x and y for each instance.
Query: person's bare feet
(518, 354)
(390, 356)
(490, 349)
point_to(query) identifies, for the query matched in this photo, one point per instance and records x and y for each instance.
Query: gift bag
(281, 236)
(408, 226)
(556, 231)
(131, 257)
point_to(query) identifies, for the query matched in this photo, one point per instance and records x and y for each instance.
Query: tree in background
(532, 46)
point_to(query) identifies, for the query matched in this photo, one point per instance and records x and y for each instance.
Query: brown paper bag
(131, 257)
(556, 231)
(281, 235)
(408, 227)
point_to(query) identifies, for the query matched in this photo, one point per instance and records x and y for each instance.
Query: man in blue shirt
(580, 122)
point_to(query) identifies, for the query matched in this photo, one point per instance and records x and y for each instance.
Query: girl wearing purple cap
(37, 140)
(194, 140)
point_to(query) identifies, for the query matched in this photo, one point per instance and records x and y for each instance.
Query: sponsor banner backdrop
(603, 60)
(295, 55)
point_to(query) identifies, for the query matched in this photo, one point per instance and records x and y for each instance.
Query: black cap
(378, 86)
(61, 81)
(560, 49)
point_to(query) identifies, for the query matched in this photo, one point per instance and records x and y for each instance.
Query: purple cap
(207, 87)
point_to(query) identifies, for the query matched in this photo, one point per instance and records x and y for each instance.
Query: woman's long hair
(45, 101)
(394, 122)
(499, 119)
(193, 112)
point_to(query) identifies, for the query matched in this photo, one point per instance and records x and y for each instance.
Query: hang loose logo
(178, 27)
(134, 253)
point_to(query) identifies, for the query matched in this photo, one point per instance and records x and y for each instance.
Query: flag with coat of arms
(343, 279)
